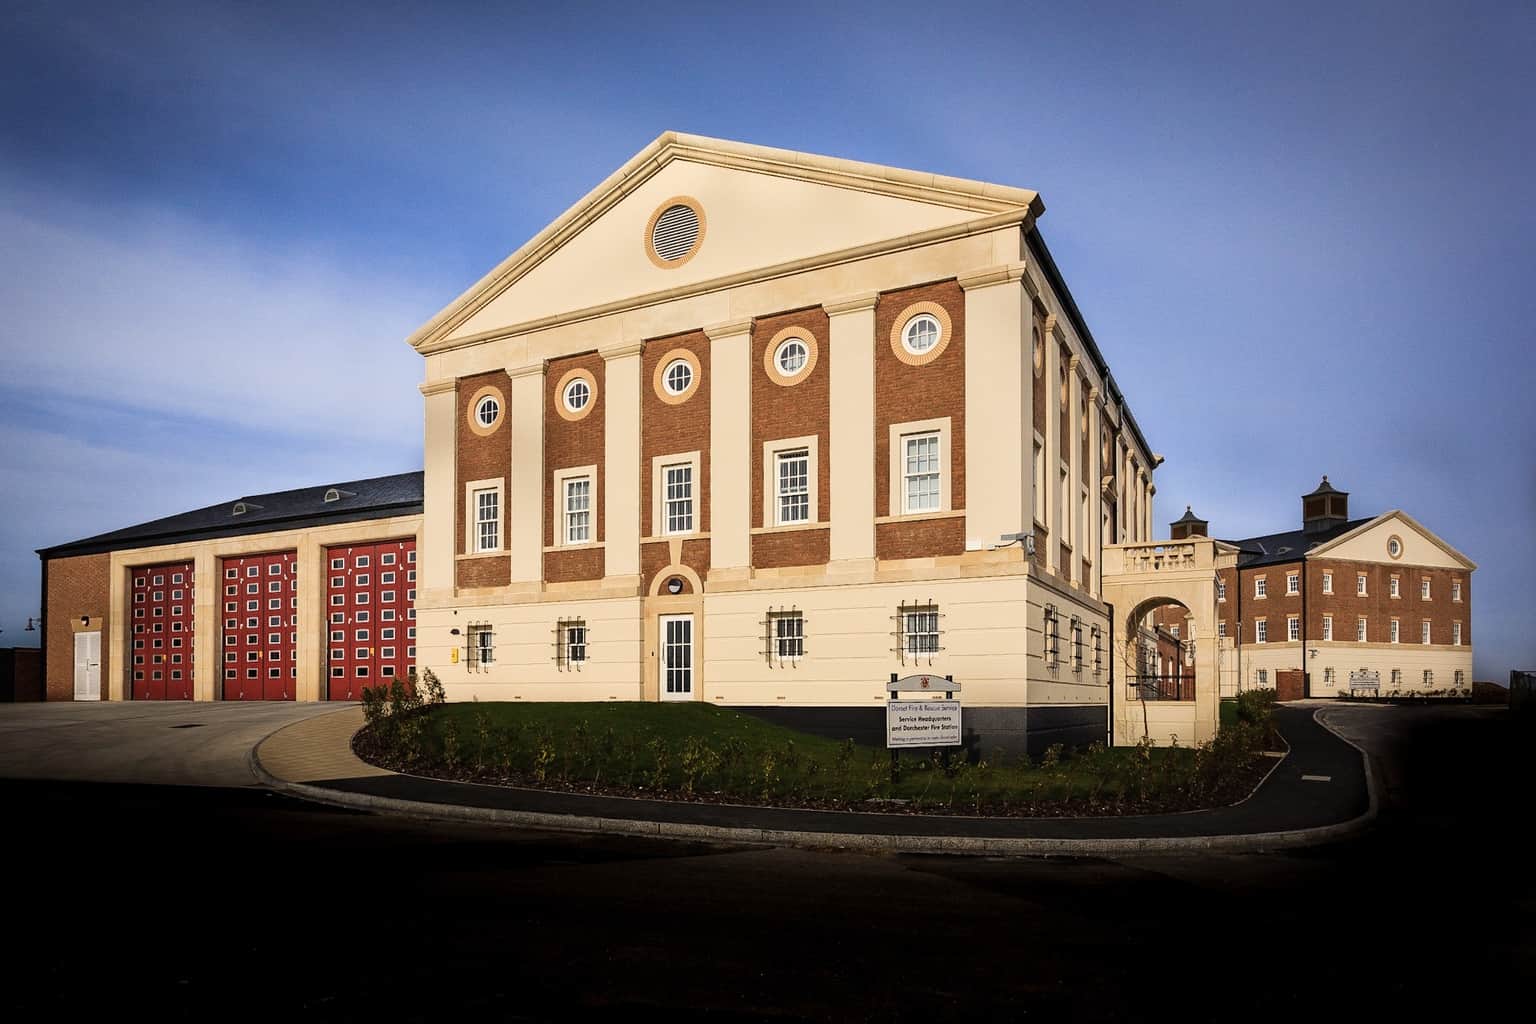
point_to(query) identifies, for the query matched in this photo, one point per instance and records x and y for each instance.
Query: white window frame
(922, 446)
(1221, 590)
(1327, 582)
(907, 330)
(1455, 634)
(1260, 631)
(1221, 629)
(659, 466)
(1456, 590)
(666, 376)
(1292, 628)
(896, 490)
(559, 482)
(570, 389)
(1362, 632)
(472, 519)
(1394, 587)
(1260, 587)
(1292, 583)
(1327, 627)
(573, 643)
(1395, 636)
(772, 450)
(1424, 591)
(1040, 484)
(1424, 632)
(1361, 586)
(679, 500)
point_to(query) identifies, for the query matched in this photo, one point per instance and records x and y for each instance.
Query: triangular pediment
(760, 209)
(1372, 542)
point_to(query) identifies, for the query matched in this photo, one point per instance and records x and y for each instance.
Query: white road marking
(1317, 778)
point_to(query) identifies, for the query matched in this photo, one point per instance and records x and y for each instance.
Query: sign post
(922, 722)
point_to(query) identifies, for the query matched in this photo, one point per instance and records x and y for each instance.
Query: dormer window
(242, 507)
(336, 494)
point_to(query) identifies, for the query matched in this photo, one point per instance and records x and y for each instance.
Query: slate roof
(1275, 548)
(375, 498)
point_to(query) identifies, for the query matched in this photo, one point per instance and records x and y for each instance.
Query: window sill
(674, 536)
(912, 517)
(481, 554)
(790, 528)
(583, 546)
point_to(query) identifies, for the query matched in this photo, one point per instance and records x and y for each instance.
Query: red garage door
(371, 626)
(261, 621)
(161, 648)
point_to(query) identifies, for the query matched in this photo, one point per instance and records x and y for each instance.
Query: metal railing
(1165, 687)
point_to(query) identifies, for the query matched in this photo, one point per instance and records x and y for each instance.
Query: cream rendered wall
(999, 435)
(1371, 546)
(309, 543)
(851, 430)
(524, 667)
(438, 542)
(750, 220)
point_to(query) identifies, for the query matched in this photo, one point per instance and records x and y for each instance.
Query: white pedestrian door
(677, 657)
(88, 666)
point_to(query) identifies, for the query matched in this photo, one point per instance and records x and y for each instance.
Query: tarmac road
(221, 904)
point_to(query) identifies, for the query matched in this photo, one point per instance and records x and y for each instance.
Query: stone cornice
(437, 387)
(991, 277)
(731, 329)
(526, 371)
(631, 348)
(851, 303)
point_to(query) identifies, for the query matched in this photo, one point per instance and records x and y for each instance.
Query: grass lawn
(700, 752)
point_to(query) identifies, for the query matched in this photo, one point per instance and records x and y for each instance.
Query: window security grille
(1098, 651)
(571, 640)
(783, 635)
(480, 645)
(1052, 637)
(1077, 644)
(918, 631)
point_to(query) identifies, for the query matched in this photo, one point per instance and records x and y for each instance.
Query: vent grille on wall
(675, 233)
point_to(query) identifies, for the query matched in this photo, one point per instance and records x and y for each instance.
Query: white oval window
(486, 411)
(577, 395)
(678, 376)
(920, 334)
(791, 357)
(1394, 547)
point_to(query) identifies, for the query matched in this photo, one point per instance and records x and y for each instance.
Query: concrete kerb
(1259, 842)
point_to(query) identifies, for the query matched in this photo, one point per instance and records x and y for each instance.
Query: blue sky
(1302, 235)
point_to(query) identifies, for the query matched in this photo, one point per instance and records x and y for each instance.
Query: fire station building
(299, 595)
(760, 428)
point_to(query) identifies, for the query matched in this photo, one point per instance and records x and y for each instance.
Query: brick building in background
(306, 594)
(1379, 603)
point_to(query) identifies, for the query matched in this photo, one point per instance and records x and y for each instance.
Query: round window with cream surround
(676, 376)
(920, 333)
(485, 410)
(675, 232)
(1395, 546)
(790, 356)
(1039, 354)
(575, 394)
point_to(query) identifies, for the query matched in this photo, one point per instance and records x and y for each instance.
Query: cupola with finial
(1324, 508)
(1188, 525)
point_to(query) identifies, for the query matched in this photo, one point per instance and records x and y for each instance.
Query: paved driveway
(176, 743)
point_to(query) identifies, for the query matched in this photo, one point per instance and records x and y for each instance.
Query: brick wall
(905, 393)
(1378, 607)
(482, 458)
(567, 444)
(799, 410)
(77, 586)
(667, 429)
